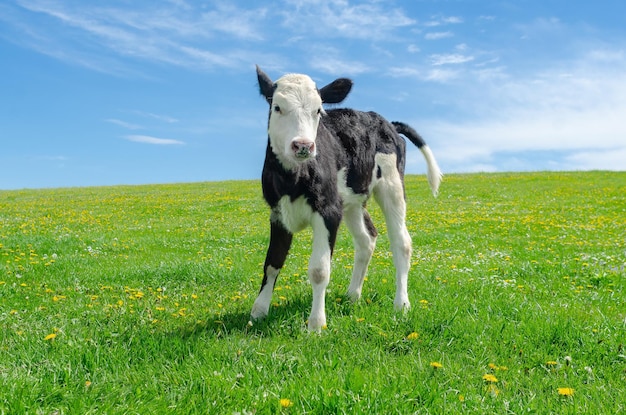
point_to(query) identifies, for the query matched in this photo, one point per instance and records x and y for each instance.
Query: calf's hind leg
(364, 234)
(389, 194)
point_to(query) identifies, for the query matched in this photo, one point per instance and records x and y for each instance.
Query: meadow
(136, 300)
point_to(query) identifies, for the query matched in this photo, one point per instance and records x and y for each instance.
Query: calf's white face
(296, 108)
(295, 113)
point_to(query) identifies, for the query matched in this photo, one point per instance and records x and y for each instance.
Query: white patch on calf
(296, 215)
(294, 118)
(261, 306)
(319, 272)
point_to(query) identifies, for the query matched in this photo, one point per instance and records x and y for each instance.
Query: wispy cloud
(124, 124)
(146, 139)
(444, 20)
(569, 115)
(331, 61)
(439, 75)
(438, 35)
(109, 38)
(159, 117)
(448, 59)
(370, 19)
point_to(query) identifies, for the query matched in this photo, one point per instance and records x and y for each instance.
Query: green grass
(136, 300)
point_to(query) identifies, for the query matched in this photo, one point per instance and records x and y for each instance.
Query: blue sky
(129, 92)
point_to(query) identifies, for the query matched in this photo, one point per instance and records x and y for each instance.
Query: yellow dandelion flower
(50, 336)
(360, 320)
(492, 366)
(436, 365)
(461, 398)
(488, 377)
(566, 391)
(551, 363)
(412, 336)
(285, 403)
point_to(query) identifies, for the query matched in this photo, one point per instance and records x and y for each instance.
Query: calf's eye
(276, 108)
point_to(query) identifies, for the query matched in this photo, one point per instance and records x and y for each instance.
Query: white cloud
(336, 66)
(440, 75)
(450, 59)
(440, 21)
(146, 139)
(607, 159)
(452, 20)
(158, 117)
(108, 38)
(124, 124)
(572, 115)
(438, 35)
(370, 19)
(413, 48)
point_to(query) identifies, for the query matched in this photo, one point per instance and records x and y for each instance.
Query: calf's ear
(336, 91)
(266, 85)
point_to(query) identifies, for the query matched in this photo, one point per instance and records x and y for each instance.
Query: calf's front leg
(280, 242)
(319, 268)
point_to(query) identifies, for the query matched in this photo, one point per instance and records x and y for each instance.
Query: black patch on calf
(362, 135)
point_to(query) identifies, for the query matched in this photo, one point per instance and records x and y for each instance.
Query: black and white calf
(321, 167)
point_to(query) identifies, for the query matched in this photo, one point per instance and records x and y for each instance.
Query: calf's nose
(303, 148)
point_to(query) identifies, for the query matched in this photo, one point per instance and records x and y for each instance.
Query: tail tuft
(433, 174)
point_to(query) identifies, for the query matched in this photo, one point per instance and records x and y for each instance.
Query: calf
(322, 166)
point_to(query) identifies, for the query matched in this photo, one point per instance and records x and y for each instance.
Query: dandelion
(566, 391)
(412, 336)
(488, 377)
(285, 403)
(436, 365)
(50, 337)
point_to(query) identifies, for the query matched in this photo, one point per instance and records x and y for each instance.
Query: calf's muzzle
(303, 149)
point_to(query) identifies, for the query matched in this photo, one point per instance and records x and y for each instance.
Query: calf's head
(295, 112)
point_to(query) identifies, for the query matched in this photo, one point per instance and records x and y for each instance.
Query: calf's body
(320, 168)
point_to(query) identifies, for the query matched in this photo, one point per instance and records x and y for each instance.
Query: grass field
(136, 300)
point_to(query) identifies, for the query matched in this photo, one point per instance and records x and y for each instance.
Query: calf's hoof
(316, 324)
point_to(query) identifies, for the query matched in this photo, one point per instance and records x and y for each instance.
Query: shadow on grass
(288, 317)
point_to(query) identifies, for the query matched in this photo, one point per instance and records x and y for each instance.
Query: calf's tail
(434, 174)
